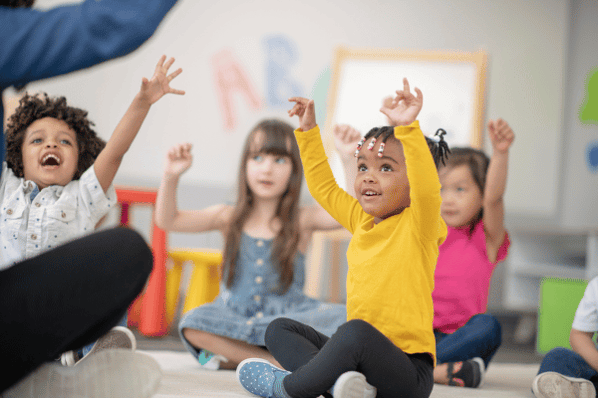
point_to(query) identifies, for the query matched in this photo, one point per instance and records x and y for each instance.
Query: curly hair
(34, 107)
(17, 3)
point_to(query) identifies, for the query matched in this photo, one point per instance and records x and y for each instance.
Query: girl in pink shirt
(472, 207)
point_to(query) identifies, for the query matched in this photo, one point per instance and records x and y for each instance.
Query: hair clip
(359, 145)
(372, 143)
(381, 149)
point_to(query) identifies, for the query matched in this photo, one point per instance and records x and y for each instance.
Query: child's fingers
(401, 95)
(299, 100)
(386, 112)
(297, 109)
(406, 85)
(168, 63)
(174, 74)
(419, 94)
(176, 91)
(160, 62)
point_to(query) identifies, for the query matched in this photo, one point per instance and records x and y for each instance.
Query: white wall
(526, 42)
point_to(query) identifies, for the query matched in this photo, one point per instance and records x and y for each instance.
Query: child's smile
(50, 153)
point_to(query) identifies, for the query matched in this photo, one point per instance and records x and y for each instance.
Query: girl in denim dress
(266, 235)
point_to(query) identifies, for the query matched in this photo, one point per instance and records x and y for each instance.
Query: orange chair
(148, 311)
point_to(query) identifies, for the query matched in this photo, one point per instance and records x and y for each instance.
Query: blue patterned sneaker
(261, 378)
(353, 385)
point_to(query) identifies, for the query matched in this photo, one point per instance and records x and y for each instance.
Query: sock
(278, 389)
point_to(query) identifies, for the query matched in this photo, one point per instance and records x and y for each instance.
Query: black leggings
(316, 361)
(68, 297)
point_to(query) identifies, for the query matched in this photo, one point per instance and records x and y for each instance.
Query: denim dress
(243, 311)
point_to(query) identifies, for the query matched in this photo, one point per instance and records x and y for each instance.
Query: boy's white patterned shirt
(56, 215)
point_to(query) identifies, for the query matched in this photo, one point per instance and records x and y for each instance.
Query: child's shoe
(555, 385)
(353, 385)
(117, 337)
(261, 378)
(107, 374)
(470, 375)
(210, 361)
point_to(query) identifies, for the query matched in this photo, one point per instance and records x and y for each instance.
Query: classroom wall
(242, 60)
(579, 193)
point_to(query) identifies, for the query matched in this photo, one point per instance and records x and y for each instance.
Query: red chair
(148, 311)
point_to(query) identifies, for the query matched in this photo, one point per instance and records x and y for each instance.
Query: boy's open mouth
(51, 160)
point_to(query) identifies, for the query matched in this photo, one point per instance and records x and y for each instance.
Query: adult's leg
(358, 346)
(480, 337)
(68, 297)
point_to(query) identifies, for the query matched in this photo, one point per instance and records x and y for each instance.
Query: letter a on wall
(230, 78)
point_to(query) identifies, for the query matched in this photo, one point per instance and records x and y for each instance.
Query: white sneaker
(555, 385)
(210, 361)
(353, 385)
(107, 374)
(117, 337)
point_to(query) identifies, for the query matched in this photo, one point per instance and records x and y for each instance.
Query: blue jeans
(568, 363)
(479, 337)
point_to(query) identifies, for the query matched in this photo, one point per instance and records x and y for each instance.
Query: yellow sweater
(391, 264)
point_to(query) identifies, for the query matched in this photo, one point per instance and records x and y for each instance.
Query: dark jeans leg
(568, 363)
(68, 297)
(480, 337)
(357, 346)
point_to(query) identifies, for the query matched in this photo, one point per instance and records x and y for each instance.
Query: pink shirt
(462, 277)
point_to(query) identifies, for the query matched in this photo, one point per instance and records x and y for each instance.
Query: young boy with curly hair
(55, 187)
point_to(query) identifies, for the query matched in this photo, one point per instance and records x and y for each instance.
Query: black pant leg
(68, 297)
(292, 343)
(359, 346)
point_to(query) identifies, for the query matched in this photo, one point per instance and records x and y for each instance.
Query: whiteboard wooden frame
(474, 62)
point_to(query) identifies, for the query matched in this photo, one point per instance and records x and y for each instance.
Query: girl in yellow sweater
(396, 226)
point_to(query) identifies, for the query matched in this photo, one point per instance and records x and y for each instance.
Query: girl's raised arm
(167, 214)
(109, 160)
(501, 137)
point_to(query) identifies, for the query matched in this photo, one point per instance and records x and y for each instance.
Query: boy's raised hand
(305, 109)
(346, 138)
(159, 85)
(501, 135)
(178, 159)
(405, 107)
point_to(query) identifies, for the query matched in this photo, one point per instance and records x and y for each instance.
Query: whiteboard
(452, 84)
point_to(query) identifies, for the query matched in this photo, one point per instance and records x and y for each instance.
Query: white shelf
(545, 252)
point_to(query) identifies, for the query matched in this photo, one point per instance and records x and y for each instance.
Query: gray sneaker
(117, 337)
(353, 385)
(107, 374)
(555, 385)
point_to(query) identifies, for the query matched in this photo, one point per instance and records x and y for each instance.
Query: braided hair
(439, 149)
